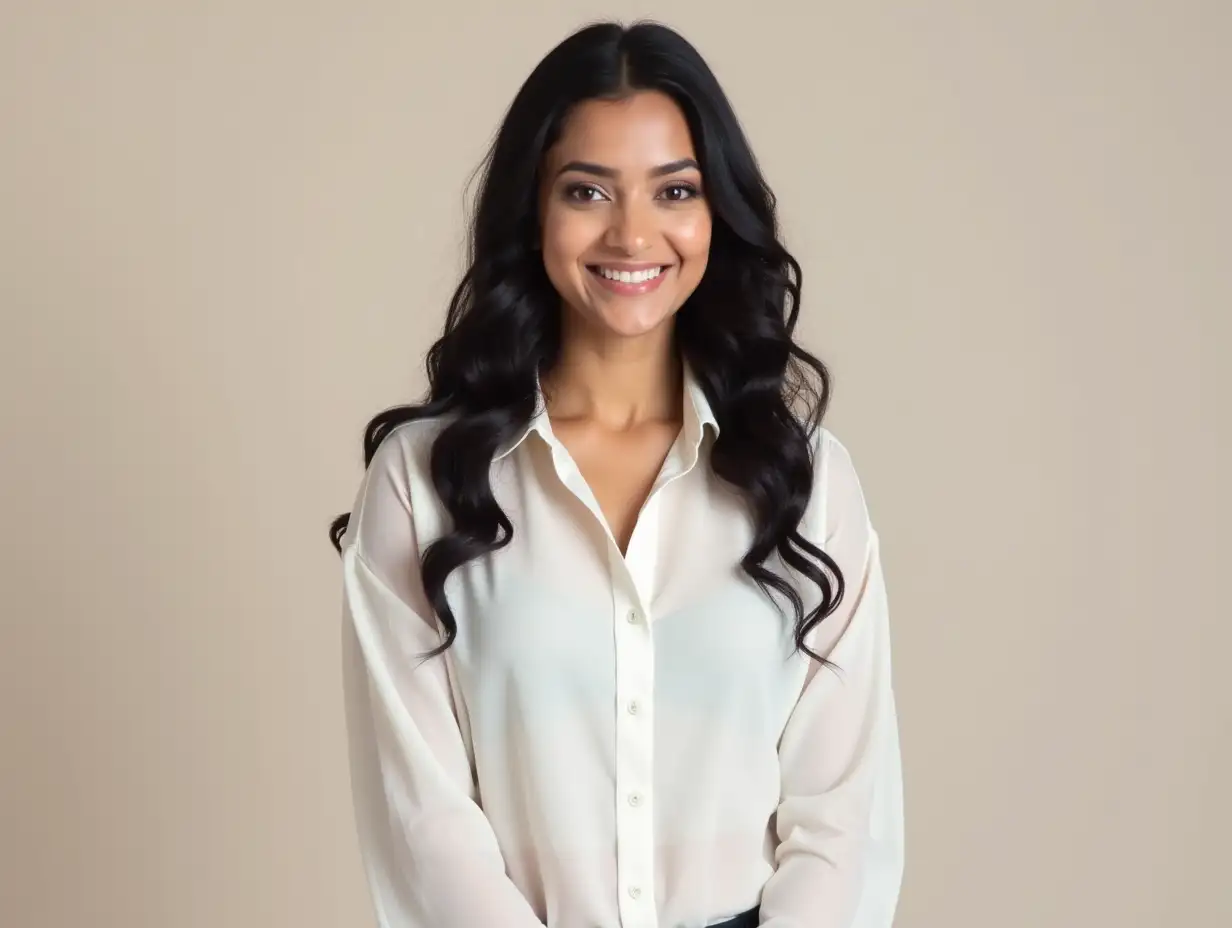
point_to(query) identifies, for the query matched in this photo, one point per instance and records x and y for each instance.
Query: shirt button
(635, 799)
(633, 707)
(632, 616)
(635, 892)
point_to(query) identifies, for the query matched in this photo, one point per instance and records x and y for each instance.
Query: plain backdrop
(228, 231)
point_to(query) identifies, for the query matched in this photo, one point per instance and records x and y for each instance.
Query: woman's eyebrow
(599, 170)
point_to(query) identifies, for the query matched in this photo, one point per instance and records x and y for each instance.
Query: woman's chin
(632, 317)
(613, 316)
(634, 325)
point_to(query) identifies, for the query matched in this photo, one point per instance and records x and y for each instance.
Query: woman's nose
(630, 230)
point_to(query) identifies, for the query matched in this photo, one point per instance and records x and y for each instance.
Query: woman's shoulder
(396, 485)
(836, 484)
(825, 447)
(829, 450)
(409, 444)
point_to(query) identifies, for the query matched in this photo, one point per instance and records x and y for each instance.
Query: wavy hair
(735, 330)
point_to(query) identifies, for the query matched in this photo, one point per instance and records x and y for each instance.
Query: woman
(616, 638)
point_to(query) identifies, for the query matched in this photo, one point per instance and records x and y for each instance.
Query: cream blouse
(617, 741)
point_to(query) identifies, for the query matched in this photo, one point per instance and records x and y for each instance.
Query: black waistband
(749, 919)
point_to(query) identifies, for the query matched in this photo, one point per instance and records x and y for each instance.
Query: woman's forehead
(635, 133)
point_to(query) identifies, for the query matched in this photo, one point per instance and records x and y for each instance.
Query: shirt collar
(698, 415)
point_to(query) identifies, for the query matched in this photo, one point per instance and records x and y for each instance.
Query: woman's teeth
(631, 277)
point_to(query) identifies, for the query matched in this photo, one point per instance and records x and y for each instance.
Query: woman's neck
(617, 388)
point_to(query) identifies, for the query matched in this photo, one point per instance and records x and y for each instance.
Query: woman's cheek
(692, 235)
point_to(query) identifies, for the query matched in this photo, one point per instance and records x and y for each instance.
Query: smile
(629, 282)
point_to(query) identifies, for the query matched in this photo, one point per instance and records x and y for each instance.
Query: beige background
(227, 232)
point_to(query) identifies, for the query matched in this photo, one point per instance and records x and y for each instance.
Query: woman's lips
(631, 288)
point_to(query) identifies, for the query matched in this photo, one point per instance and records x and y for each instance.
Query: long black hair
(768, 394)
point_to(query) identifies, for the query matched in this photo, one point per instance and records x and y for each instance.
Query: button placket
(634, 767)
(633, 576)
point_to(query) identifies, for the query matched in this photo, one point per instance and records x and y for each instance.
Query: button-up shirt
(617, 740)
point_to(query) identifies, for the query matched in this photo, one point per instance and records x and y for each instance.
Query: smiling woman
(616, 637)
(623, 214)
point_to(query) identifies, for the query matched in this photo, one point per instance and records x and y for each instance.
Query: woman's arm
(840, 822)
(429, 853)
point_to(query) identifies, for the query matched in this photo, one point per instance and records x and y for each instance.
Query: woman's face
(626, 227)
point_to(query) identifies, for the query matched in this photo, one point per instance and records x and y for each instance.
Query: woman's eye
(678, 192)
(583, 193)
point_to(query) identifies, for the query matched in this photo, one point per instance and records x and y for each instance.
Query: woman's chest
(619, 471)
(561, 617)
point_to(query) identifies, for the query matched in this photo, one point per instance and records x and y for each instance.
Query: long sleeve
(430, 855)
(839, 862)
